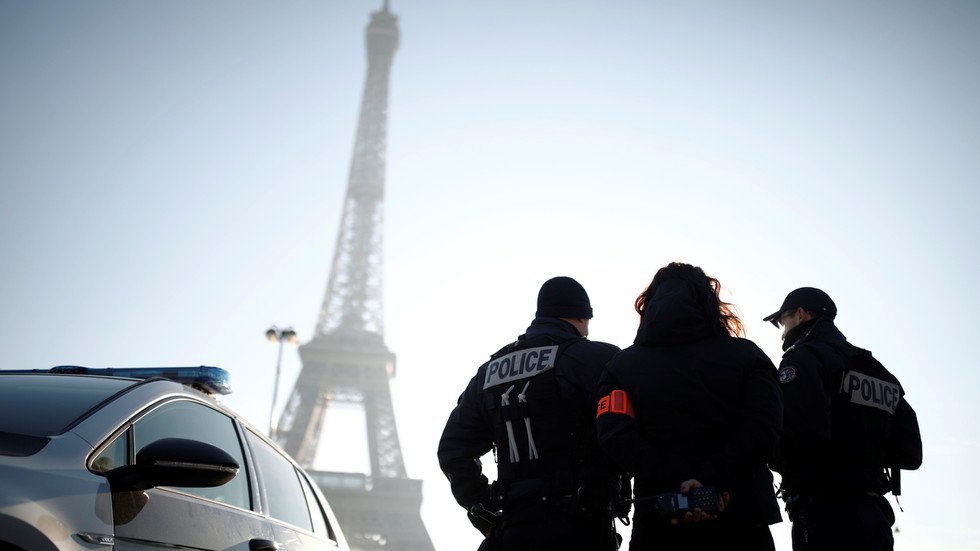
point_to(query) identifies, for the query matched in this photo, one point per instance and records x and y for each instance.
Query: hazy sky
(172, 174)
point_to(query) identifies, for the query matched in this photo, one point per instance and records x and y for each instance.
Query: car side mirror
(175, 462)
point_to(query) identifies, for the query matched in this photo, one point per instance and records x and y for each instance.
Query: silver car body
(55, 500)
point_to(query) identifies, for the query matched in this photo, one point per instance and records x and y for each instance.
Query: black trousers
(850, 523)
(655, 533)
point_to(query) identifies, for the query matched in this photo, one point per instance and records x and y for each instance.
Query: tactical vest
(863, 405)
(538, 440)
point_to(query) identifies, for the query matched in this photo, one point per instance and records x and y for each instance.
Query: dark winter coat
(564, 428)
(846, 417)
(705, 406)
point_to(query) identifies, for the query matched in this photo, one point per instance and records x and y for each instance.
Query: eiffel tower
(347, 360)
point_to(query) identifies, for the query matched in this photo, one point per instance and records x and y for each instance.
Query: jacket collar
(818, 329)
(555, 327)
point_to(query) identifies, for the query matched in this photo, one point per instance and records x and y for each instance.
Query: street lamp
(281, 336)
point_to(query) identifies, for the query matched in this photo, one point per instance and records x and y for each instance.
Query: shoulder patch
(787, 374)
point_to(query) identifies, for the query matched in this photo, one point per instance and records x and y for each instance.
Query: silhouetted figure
(846, 422)
(532, 402)
(697, 406)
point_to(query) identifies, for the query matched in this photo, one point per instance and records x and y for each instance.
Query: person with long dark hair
(692, 404)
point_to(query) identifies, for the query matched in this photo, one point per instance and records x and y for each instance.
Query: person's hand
(697, 515)
(482, 519)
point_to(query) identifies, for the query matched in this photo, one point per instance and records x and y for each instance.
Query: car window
(320, 523)
(195, 421)
(114, 455)
(281, 484)
(46, 405)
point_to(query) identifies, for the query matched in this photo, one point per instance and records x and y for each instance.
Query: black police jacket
(533, 403)
(700, 406)
(845, 420)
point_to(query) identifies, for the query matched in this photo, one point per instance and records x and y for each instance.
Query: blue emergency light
(212, 380)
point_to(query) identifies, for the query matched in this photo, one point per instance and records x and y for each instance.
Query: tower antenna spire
(347, 360)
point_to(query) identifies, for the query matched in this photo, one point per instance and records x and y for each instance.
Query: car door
(300, 523)
(187, 518)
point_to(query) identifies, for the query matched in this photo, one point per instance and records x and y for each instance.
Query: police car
(146, 458)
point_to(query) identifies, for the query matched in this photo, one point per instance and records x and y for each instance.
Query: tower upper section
(353, 301)
(382, 38)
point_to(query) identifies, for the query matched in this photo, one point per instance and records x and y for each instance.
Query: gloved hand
(482, 519)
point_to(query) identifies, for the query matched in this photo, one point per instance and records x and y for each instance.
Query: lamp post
(281, 336)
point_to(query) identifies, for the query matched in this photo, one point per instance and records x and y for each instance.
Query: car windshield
(46, 405)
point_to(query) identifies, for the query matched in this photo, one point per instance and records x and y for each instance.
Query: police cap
(811, 299)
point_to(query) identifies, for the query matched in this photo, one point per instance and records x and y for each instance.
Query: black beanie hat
(563, 297)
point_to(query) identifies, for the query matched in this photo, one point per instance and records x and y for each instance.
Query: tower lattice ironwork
(347, 360)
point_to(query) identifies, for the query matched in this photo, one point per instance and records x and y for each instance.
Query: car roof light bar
(212, 380)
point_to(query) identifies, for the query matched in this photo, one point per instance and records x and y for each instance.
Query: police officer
(689, 405)
(532, 403)
(847, 431)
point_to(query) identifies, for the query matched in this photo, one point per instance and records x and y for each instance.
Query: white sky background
(172, 174)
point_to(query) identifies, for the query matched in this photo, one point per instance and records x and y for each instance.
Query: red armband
(615, 402)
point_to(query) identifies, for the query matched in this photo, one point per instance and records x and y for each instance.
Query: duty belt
(796, 500)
